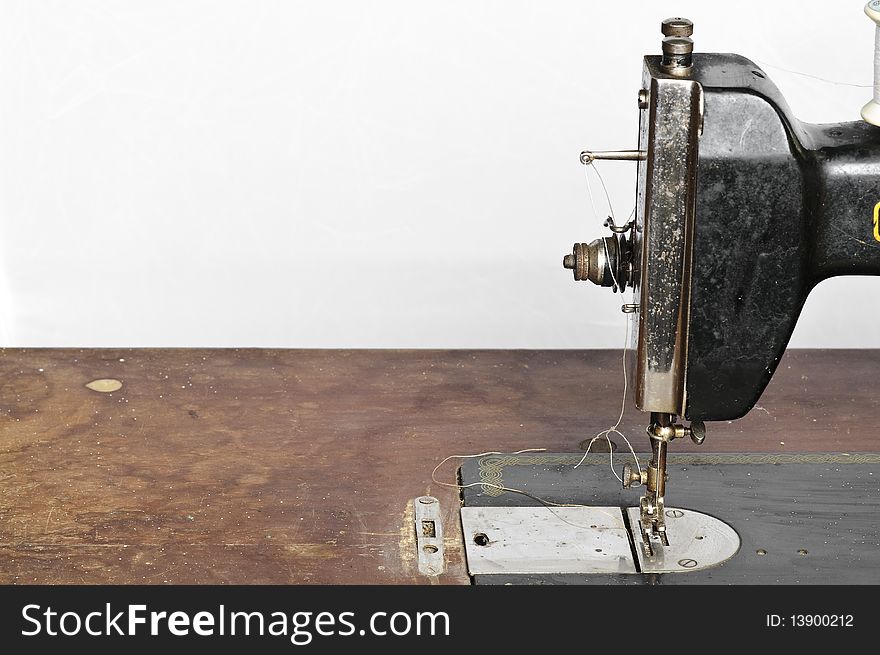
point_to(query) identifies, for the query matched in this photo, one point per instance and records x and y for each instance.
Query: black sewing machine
(741, 210)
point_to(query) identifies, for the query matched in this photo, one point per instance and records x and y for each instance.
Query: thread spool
(871, 111)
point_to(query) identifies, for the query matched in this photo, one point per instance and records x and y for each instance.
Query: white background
(352, 174)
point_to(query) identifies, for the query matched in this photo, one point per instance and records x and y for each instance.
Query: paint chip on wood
(105, 385)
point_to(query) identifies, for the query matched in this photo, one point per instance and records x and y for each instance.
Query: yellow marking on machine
(877, 221)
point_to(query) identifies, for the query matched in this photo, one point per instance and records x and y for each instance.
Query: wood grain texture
(295, 466)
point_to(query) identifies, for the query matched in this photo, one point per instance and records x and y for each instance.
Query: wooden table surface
(297, 466)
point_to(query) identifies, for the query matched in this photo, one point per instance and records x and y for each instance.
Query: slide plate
(588, 540)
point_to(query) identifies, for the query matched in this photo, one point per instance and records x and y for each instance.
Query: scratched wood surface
(297, 466)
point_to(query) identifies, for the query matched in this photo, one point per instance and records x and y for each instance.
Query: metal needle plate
(696, 542)
(539, 540)
(551, 540)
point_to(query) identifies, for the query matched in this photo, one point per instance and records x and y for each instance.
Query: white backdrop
(352, 174)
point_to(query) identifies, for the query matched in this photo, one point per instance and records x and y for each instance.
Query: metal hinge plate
(429, 535)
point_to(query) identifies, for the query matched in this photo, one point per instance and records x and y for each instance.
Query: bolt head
(698, 432)
(644, 99)
(677, 27)
(677, 45)
(627, 476)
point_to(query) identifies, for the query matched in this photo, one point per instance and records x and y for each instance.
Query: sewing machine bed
(802, 517)
(299, 466)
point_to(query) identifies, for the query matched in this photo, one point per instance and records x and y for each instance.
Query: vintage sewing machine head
(741, 210)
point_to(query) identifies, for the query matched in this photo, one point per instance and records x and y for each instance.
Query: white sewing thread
(614, 429)
(810, 76)
(549, 504)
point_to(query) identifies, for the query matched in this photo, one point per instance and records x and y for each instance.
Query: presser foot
(652, 526)
(652, 513)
